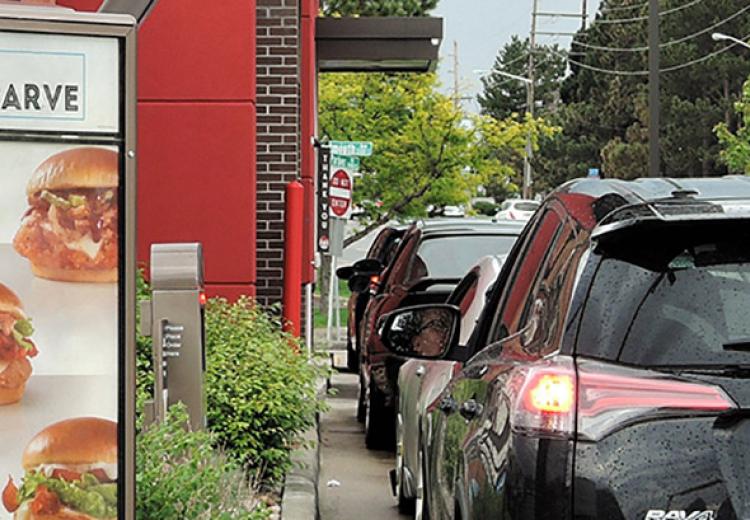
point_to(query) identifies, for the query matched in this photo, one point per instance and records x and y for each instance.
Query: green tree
(378, 7)
(605, 118)
(422, 149)
(503, 96)
(736, 152)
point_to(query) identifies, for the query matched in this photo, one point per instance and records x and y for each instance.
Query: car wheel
(405, 505)
(361, 408)
(421, 511)
(352, 356)
(378, 421)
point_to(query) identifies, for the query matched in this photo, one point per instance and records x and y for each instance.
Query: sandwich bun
(10, 303)
(24, 513)
(73, 442)
(79, 168)
(78, 276)
(12, 395)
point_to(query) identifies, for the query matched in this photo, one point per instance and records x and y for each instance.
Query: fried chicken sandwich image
(15, 347)
(69, 233)
(71, 473)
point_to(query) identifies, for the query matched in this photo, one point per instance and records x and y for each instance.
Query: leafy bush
(262, 392)
(484, 207)
(144, 356)
(180, 476)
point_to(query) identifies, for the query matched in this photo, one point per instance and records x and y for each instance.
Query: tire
(361, 408)
(352, 356)
(405, 505)
(379, 422)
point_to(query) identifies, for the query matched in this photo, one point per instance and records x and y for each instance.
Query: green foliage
(484, 207)
(144, 384)
(180, 476)
(503, 96)
(262, 393)
(378, 7)
(736, 152)
(422, 148)
(428, 152)
(605, 117)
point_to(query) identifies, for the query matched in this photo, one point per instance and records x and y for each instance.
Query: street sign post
(355, 148)
(324, 210)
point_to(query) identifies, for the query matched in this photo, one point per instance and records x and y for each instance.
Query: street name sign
(347, 162)
(355, 148)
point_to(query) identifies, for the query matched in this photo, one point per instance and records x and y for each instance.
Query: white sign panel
(59, 83)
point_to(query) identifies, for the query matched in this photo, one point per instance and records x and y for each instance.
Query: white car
(454, 212)
(517, 209)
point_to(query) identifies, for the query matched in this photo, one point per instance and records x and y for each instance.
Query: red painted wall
(197, 121)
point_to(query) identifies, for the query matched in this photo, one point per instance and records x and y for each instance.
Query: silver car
(420, 382)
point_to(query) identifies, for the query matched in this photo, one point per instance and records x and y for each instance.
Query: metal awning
(378, 44)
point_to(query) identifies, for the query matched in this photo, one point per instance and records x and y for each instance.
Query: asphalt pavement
(353, 480)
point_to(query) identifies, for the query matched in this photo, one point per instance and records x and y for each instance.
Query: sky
(482, 27)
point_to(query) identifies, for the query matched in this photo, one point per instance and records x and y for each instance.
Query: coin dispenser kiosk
(174, 319)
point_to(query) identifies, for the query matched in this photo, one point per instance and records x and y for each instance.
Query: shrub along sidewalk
(262, 397)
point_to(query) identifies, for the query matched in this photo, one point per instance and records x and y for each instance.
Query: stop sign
(340, 193)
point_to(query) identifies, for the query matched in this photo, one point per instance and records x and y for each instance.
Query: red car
(431, 259)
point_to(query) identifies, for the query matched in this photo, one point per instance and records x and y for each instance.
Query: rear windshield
(452, 257)
(526, 206)
(675, 296)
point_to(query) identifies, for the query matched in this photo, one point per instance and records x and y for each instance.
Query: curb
(300, 498)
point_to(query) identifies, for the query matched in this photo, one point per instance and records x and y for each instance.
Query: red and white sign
(340, 194)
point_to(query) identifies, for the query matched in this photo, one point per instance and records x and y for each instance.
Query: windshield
(679, 300)
(453, 256)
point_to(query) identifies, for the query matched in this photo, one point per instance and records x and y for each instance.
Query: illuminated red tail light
(202, 298)
(594, 399)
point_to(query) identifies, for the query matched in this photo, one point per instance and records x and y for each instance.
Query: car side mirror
(423, 332)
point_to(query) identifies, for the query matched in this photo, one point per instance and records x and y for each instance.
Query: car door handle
(420, 371)
(448, 405)
(470, 410)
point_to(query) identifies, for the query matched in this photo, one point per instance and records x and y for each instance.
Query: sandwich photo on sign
(69, 232)
(16, 347)
(71, 473)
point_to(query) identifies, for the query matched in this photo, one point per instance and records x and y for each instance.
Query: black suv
(615, 378)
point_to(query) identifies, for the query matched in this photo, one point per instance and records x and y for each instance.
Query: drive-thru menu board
(62, 278)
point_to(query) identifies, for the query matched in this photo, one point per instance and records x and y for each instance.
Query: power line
(604, 21)
(623, 8)
(645, 72)
(665, 44)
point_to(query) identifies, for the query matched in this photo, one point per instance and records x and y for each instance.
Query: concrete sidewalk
(353, 481)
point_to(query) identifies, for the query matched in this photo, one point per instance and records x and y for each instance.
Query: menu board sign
(62, 304)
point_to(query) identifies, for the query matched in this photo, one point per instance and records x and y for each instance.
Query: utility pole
(584, 15)
(456, 76)
(654, 100)
(530, 101)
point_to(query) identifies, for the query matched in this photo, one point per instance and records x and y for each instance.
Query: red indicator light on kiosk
(202, 298)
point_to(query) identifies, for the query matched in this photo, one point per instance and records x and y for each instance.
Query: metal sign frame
(123, 28)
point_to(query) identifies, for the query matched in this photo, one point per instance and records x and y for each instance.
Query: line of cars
(600, 371)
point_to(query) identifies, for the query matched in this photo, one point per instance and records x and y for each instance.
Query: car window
(526, 206)
(671, 297)
(518, 292)
(452, 256)
(505, 205)
(546, 311)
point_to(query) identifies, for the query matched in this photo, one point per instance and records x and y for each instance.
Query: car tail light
(374, 283)
(597, 399)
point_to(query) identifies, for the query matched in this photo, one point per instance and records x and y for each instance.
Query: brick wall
(278, 160)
